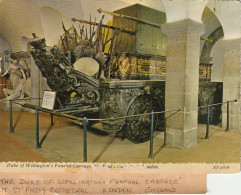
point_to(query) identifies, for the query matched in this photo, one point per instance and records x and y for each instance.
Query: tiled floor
(64, 143)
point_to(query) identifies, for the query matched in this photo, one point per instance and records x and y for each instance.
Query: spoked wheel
(138, 127)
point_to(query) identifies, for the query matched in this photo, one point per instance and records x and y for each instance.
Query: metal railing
(208, 115)
(85, 122)
(11, 110)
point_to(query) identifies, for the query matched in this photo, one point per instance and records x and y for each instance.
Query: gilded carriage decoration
(141, 67)
(205, 71)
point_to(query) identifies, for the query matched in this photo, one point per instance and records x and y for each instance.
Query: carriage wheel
(138, 128)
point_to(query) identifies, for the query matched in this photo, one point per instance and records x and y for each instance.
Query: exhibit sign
(49, 99)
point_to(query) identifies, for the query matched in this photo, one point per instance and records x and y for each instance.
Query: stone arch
(207, 48)
(228, 14)
(181, 10)
(217, 55)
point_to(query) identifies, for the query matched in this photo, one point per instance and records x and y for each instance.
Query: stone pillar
(182, 81)
(35, 88)
(38, 83)
(43, 87)
(231, 82)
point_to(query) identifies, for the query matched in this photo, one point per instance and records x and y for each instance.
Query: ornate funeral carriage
(110, 71)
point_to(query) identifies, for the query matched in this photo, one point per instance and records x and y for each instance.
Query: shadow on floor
(18, 118)
(154, 155)
(46, 134)
(105, 148)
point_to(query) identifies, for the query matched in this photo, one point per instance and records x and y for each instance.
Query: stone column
(38, 83)
(182, 81)
(231, 82)
(43, 86)
(34, 82)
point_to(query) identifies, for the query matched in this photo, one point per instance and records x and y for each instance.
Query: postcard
(138, 94)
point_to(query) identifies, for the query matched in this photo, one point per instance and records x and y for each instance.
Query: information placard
(49, 99)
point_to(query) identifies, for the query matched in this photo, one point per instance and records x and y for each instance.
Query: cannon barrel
(103, 25)
(129, 17)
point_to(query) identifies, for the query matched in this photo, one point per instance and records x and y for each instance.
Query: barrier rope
(217, 104)
(105, 119)
(85, 121)
(81, 119)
